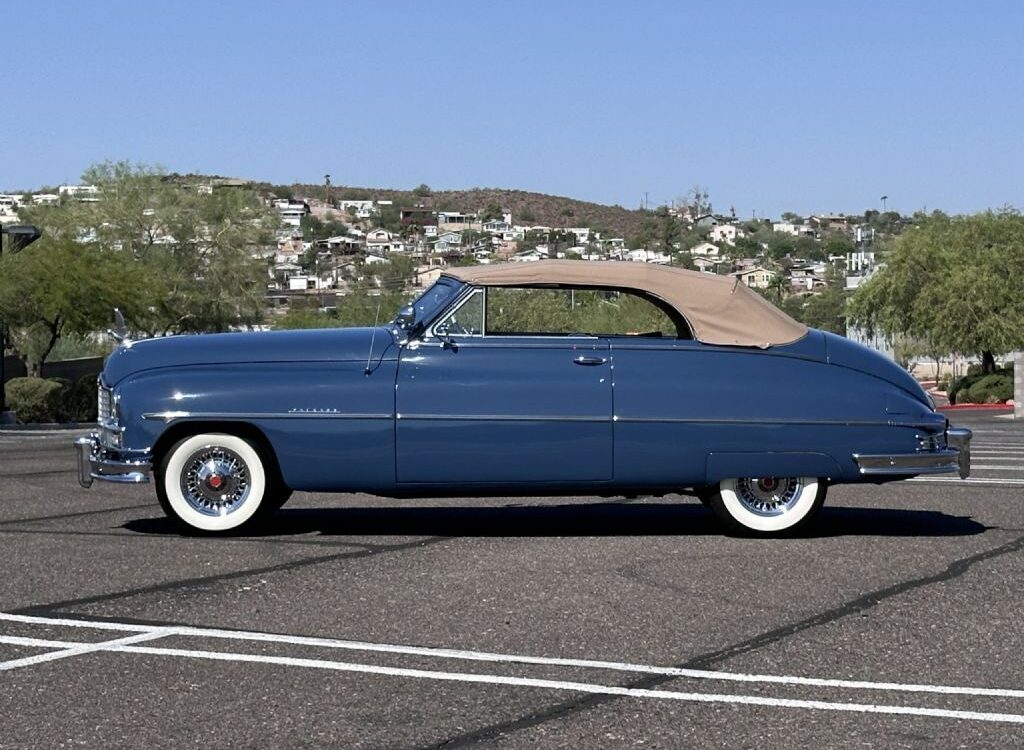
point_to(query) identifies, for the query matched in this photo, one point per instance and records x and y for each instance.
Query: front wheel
(764, 506)
(212, 482)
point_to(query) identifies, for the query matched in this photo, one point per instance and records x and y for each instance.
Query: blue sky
(803, 106)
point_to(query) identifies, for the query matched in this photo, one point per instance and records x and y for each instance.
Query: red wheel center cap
(216, 482)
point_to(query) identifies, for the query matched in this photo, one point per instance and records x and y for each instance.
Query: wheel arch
(770, 464)
(246, 430)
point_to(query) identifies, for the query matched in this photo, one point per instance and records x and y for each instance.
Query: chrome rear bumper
(955, 458)
(95, 462)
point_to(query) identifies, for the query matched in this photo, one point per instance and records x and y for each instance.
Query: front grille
(106, 413)
(105, 406)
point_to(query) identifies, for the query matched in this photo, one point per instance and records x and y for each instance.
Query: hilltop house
(706, 249)
(705, 265)
(726, 233)
(380, 241)
(756, 277)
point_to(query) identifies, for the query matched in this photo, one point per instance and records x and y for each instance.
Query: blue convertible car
(543, 378)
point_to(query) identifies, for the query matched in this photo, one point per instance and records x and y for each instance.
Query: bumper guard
(95, 462)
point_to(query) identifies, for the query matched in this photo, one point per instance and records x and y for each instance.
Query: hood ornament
(119, 332)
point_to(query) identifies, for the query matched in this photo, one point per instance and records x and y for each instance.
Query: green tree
(56, 287)
(669, 231)
(826, 311)
(314, 228)
(956, 284)
(186, 261)
(492, 212)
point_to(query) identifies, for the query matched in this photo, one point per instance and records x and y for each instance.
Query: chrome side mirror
(406, 317)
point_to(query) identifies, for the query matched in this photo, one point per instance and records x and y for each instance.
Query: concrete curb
(48, 427)
(976, 407)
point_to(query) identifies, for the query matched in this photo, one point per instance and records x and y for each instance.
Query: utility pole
(884, 199)
(327, 188)
(19, 237)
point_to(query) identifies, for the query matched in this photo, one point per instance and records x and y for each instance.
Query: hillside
(526, 207)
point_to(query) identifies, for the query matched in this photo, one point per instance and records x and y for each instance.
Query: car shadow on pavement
(593, 519)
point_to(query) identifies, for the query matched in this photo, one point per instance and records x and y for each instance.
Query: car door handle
(589, 361)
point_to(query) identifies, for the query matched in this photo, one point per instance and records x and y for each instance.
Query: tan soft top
(720, 309)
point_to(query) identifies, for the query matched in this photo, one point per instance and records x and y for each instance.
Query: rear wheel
(215, 482)
(764, 506)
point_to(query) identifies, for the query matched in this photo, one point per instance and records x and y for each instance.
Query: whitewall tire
(763, 506)
(212, 482)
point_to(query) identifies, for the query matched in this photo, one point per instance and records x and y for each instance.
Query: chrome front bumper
(955, 458)
(95, 462)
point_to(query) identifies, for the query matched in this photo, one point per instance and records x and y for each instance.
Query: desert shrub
(37, 399)
(80, 404)
(962, 390)
(991, 389)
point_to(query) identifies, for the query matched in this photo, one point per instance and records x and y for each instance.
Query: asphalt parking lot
(352, 621)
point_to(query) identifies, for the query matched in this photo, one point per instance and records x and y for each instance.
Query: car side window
(465, 320)
(528, 311)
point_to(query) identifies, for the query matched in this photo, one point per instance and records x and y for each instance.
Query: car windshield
(432, 301)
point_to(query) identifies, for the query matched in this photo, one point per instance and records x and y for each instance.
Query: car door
(502, 409)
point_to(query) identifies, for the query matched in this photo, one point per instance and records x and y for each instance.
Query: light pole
(884, 199)
(19, 236)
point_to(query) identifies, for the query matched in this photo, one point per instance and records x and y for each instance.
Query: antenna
(373, 336)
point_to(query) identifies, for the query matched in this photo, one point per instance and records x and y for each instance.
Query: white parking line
(77, 649)
(122, 646)
(146, 632)
(970, 480)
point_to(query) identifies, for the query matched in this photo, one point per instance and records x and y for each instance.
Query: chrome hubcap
(215, 481)
(768, 496)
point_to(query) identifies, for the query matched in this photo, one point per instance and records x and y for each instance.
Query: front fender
(329, 424)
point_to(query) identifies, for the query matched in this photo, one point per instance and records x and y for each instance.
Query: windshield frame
(428, 305)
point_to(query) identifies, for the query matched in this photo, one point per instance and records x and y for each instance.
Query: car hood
(319, 345)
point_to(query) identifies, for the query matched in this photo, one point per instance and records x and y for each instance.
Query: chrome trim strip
(170, 416)
(110, 424)
(500, 418)
(767, 421)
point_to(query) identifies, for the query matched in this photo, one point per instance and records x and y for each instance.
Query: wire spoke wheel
(215, 481)
(763, 506)
(768, 496)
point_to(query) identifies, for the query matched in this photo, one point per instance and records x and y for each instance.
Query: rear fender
(732, 465)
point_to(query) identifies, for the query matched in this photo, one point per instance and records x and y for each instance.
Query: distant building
(457, 220)
(291, 212)
(756, 278)
(420, 215)
(81, 193)
(797, 230)
(727, 233)
(706, 249)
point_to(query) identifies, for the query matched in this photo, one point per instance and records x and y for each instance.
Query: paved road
(358, 622)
